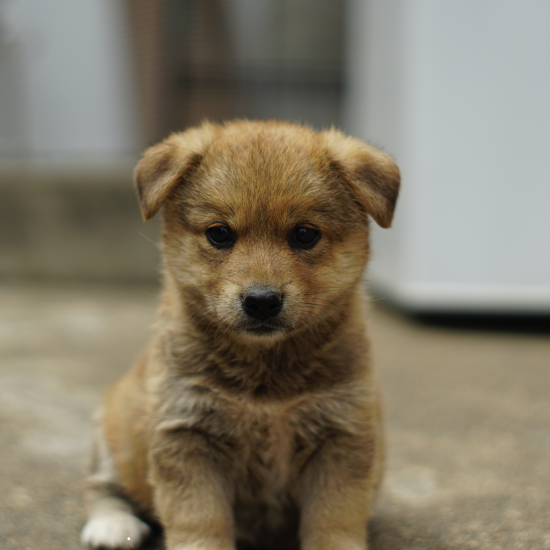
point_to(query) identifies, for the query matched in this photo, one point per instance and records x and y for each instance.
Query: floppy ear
(166, 164)
(371, 175)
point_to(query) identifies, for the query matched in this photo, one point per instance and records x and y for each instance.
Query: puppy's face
(266, 232)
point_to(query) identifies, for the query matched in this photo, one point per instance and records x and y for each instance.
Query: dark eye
(220, 236)
(305, 236)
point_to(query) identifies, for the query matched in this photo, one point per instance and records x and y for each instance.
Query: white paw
(114, 530)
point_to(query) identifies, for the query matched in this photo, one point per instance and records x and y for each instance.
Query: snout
(262, 303)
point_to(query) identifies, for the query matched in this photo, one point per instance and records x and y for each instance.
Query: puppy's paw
(114, 530)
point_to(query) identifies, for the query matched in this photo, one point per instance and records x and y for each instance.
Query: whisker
(157, 245)
(323, 290)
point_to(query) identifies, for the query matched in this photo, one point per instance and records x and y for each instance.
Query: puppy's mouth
(262, 328)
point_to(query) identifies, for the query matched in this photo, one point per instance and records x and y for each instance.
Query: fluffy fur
(233, 429)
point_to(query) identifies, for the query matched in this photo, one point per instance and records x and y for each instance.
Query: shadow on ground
(512, 324)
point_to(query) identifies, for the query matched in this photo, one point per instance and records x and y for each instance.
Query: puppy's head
(266, 223)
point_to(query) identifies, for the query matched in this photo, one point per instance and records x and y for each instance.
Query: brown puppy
(254, 413)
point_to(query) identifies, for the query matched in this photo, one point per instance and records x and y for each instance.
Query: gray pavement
(467, 415)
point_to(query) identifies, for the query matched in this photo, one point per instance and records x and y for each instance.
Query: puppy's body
(254, 414)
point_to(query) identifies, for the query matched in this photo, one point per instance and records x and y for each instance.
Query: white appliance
(459, 93)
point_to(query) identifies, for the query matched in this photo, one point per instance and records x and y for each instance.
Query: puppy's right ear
(166, 164)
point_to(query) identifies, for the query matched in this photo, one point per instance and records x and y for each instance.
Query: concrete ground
(467, 414)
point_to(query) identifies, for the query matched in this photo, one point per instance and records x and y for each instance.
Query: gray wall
(65, 78)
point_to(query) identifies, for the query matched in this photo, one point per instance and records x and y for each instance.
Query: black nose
(262, 304)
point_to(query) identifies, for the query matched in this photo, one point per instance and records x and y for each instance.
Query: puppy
(253, 416)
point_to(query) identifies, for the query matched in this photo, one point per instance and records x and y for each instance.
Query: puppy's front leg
(337, 491)
(192, 498)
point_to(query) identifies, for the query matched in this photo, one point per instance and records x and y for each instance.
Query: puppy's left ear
(166, 164)
(372, 176)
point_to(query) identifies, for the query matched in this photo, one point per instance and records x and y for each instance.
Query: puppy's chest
(265, 446)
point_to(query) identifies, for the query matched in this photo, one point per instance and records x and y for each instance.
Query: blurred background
(86, 86)
(457, 91)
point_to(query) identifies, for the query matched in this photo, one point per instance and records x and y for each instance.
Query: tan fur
(227, 434)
